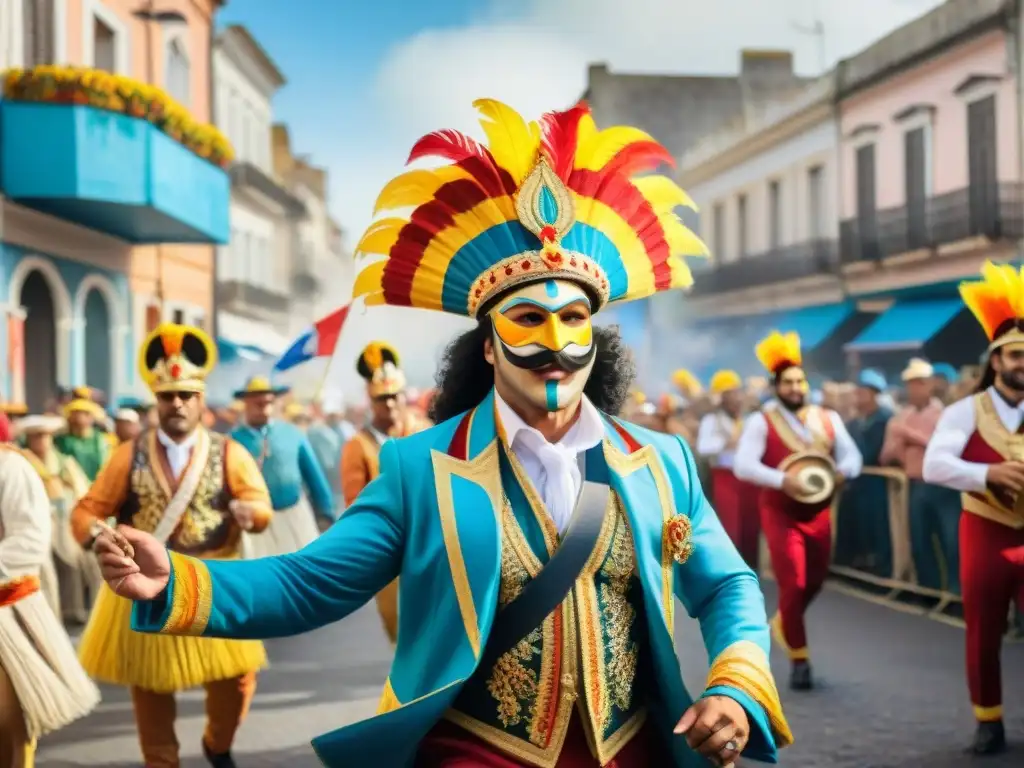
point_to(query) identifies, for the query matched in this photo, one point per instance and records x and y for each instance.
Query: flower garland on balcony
(103, 90)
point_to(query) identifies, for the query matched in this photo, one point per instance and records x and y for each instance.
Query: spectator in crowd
(327, 439)
(863, 539)
(943, 380)
(934, 511)
(126, 424)
(84, 441)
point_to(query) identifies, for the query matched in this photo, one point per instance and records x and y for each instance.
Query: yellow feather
(597, 150)
(381, 236)
(513, 143)
(681, 240)
(776, 349)
(682, 277)
(369, 279)
(663, 194)
(414, 188)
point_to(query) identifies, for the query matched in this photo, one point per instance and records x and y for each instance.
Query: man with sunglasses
(195, 492)
(390, 416)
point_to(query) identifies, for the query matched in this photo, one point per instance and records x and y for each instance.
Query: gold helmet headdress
(378, 364)
(557, 199)
(177, 358)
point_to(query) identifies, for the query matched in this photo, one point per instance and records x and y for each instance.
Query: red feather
(638, 158)
(451, 145)
(559, 135)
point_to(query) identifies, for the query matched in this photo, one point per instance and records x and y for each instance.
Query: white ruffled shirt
(178, 454)
(553, 468)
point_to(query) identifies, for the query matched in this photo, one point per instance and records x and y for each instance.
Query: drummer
(795, 519)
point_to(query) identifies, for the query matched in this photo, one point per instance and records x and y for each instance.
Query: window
(718, 231)
(199, 320)
(816, 202)
(866, 213)
(774, 214)
(178, 71)
(38, 25)
(741, 211)
(104, 46)
(983, 189)
(915, 174)
(178, 317)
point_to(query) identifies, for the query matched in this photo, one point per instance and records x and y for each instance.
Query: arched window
(178, 70)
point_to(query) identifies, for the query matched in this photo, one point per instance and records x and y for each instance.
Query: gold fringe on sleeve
(744, 666)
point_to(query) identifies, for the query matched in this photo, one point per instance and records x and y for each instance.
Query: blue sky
(366, 78)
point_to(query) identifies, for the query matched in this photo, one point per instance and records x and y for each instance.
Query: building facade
(930, 177)
(254, 297)
(108, 213)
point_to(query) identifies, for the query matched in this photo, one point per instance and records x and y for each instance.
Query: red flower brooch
(678, 538)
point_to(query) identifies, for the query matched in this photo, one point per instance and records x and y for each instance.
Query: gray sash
(541, 596)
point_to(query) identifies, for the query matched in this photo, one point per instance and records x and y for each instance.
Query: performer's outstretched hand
(133, 562)
(716, 727)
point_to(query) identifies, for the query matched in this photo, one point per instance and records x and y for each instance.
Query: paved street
(892, 695)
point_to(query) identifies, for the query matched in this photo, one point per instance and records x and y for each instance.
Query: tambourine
(817, 475)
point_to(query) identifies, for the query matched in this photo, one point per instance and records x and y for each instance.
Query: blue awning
(814, 325)
(907, 325)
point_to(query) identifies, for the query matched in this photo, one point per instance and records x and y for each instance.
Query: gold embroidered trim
(191, 597)
(820, 440)
(988, 714)
(388, 700)
(795, 654)
(989, 507)
(744, 666)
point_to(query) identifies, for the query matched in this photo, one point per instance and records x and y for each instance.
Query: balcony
(252, 179)
(251, 300)
(791, 262)
(993, 212)
(305, 280)
(112, 173)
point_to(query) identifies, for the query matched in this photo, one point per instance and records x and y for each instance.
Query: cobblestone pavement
(891, 695)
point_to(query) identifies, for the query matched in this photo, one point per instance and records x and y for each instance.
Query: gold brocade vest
(588, 656)
(206, 528)
(992, 443)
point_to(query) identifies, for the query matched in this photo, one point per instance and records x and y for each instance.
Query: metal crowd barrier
(903, 578)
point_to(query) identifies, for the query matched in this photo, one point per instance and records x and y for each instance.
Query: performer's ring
(731, 746)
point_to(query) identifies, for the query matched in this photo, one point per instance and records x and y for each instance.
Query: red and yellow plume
(687, 383)
(779, 351)
(997, 301)
(725, 381)
(550, 199)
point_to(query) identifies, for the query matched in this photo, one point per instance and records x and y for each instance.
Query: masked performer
(42, 686)
(978, 449)
(719, 434)
(194, 492)
(290, 469)
(798, 530)
(540, 542)
(360, 459)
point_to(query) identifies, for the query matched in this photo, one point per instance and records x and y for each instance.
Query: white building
(255, 300)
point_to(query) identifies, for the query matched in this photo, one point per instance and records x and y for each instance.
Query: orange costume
(360, 462)
(182, 492)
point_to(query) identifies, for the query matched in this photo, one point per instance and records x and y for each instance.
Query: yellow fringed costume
(188, 508)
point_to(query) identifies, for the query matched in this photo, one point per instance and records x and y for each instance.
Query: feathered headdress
(554, 199)
(378, 364)
(725, 381)
(176, 358)
(997, 301)
(687, 383)
(778, 351)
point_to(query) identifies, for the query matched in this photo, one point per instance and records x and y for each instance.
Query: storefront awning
(907, 325)
(815, 325)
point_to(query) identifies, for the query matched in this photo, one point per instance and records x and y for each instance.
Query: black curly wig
(464, 377)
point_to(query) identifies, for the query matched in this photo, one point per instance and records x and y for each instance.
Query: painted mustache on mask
(565, 360)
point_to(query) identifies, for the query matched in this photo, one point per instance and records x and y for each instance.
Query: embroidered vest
(782, 442)
(992, 443)
(206, 528)
(590, 652)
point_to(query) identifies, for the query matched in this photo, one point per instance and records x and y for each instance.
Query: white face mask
(544, 343)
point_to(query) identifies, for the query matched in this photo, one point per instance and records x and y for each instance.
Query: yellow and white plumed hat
(378, 364)
(177, 358)
(556, 198)
(725, 381)
(779, 351)
(997, 301)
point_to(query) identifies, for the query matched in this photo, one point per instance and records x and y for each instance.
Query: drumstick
(116, 536)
